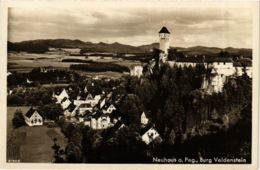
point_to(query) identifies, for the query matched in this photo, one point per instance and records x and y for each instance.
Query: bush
(18, 119)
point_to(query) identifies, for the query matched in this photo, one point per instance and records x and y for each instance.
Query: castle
(222, 67)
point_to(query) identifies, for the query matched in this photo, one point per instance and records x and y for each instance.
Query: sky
(214, 27)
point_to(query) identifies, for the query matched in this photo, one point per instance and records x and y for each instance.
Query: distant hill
(41, 46)
(202, 50)
(112, 48)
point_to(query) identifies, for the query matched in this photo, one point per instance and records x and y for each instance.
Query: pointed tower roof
(164, 30)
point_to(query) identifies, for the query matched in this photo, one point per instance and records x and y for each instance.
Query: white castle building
(222, 67)
(136, 71)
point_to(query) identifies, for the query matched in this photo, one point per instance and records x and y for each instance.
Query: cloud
(136, 26)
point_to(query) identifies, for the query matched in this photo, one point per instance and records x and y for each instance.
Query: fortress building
(222, 67)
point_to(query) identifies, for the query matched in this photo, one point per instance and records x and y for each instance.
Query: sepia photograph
(137, 84)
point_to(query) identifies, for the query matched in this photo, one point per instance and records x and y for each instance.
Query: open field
(31, 144)
(25, 62)
(38, 142)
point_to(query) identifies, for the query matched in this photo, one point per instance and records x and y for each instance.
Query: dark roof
(84, 105)
(96, 114)
(30, 112)
(118, 124)
(71, 107)
(146, 128)
(64, 99)
(164, 30)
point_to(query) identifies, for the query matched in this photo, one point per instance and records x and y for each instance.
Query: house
(136, 71)
(85, 89)
(81, 109)
(61, 96)
(33, 118)
(79, 101)
(149, 134)
(98, 121)
(89, 97)
(144, 119)
(69, 110)
(96, 99)
(108, 108)
(65, 103)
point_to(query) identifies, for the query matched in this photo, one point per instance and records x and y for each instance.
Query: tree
(124, 146)
(14, 100)
(51, 111)
(131, 108)
(73, 153)
(18, 119)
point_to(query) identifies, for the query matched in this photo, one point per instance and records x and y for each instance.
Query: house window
(32, 121)
(224, 63)
(39, 120)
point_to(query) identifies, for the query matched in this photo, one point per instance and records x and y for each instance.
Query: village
(100, 110)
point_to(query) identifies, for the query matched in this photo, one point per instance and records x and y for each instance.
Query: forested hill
(42, 45)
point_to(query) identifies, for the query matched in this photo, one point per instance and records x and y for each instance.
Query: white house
(65, 103)
(96, 99)
(136, 71)
(68, 111)
(144, 119)
(109, 109)
(149, 134)
(33, 118)
(61, 96)
(85, 89)
(81, 109)
(98, 121)
(89, 97)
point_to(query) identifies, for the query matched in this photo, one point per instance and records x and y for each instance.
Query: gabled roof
(164, 30)
(30, 112)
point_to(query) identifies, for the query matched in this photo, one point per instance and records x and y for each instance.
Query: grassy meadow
(31, 144)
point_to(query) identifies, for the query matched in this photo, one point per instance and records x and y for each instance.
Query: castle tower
(164, 35)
